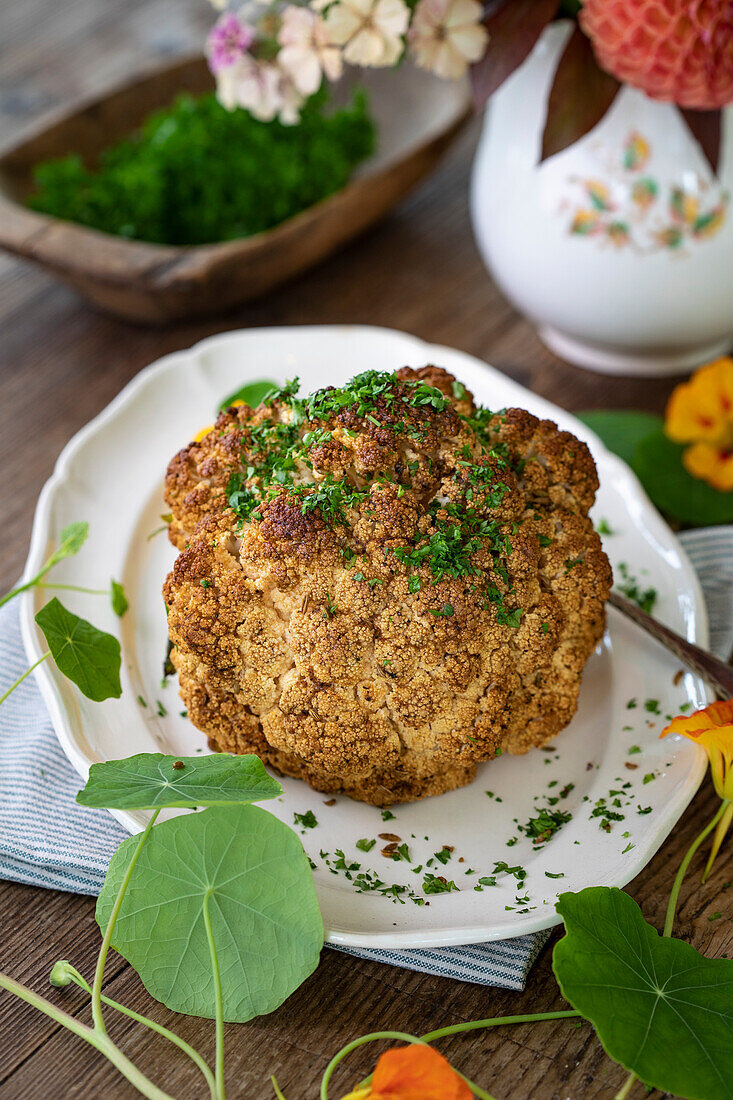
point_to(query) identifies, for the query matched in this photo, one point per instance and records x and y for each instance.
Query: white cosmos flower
(306, 50)
(446, 35)
(370, 30)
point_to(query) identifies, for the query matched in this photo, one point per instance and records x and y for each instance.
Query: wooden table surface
(60, 363)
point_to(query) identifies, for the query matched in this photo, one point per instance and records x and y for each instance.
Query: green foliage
(621, 430)
(196, 173)
(658, 1006)
(72, 539)
(149, 781)
(253, 393)
(237, 873)
(638, 438)
(658, 465)
(118, 597)
(88, 657)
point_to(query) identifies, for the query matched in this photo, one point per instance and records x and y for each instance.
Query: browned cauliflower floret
(381, 585)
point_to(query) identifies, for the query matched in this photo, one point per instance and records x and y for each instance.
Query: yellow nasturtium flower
(712, 729)
(205, 431)
(711, 464)
(700, 412)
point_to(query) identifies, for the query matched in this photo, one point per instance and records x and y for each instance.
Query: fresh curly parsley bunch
(196, 173)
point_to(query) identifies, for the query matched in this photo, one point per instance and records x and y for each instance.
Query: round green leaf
(89, 657)
(251, 872)
(149, 781)
(658, 465)
(253, 394)
(622, 430)
(659, 1007)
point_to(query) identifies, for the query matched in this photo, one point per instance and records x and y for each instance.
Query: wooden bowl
(416, 117)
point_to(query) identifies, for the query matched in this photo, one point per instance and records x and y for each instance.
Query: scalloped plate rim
(417, 938)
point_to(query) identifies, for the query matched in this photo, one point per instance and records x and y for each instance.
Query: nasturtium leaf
(252, 873)
(622, 430)
(85, 655)
(660, 1008)
(150, 780)
(253, 394)
(658, 465)
(119, 599)
(72, 539)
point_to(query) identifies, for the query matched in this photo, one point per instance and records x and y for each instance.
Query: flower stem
(219, 1001)
(76, 588)
(498, 1021)
(16, 592)
(101, 1042)
(722, 829)
(182, 1045)
(401, 1036)
(107, 938)
(673, 897)
(27, 673)
(629, 1084)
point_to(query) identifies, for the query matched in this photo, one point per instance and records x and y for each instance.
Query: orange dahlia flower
(676, 50)
(712, 729)
(415, 1072)
(700, 412)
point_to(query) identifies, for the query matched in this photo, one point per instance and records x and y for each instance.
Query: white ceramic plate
(111, 475)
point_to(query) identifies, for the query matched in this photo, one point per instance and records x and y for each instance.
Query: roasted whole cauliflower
(381, 585)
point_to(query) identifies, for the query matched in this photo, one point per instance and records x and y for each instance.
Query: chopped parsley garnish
(436, 884)
(646, 598)
(365, 845)
(307, 820)
(544, 826)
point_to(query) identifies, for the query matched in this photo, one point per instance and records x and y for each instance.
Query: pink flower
(229, 39)
(307, 51)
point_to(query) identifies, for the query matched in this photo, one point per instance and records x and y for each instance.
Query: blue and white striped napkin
(46, 839)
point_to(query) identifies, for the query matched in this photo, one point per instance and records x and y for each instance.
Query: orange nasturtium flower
(712, 728)
(415, 1072)
(700, 412)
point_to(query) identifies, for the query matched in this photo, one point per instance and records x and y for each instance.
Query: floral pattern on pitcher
(631, 209)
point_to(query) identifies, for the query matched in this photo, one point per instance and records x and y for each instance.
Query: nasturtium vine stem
(182, 1045)
(25, 675)
(628, 1085)
(16, 592)
(218, 998)
(101, 1042)
(673, 897)
(107, 938)
(76, 588)
(720, 832)
(498, 1021)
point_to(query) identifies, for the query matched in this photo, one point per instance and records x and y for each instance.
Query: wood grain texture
(60, 364)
